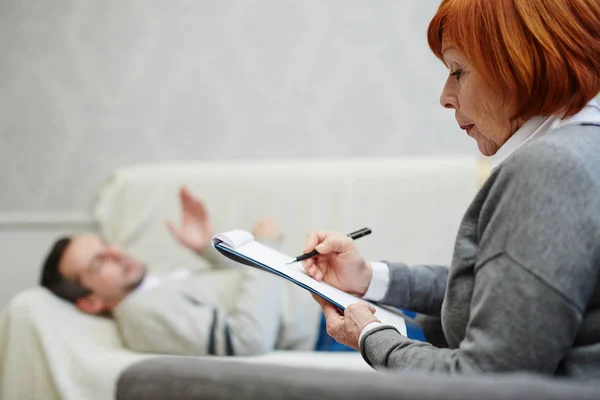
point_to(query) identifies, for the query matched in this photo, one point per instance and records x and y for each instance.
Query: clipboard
(240, 246)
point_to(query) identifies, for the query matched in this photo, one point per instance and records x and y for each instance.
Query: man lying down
(227, 309)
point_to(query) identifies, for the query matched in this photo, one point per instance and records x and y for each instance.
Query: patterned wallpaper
(88, 86)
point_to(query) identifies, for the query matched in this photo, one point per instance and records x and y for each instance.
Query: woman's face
(481, 112)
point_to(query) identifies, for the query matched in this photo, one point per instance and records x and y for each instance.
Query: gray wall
(87, 86)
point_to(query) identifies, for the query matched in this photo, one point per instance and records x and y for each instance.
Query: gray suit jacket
(228, 310)
(523, 291)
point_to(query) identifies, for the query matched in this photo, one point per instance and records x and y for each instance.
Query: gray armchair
(188, 378)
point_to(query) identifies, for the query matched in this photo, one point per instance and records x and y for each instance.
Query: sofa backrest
(413, 205)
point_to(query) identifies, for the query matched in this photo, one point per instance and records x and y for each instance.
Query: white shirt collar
(152, 281)
(149, 282)
(538, 126)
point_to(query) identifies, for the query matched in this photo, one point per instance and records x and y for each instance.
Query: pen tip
(288, 262)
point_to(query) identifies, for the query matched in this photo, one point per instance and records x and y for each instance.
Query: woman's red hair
(544, 54)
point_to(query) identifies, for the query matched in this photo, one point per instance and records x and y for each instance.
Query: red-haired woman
(523, 290)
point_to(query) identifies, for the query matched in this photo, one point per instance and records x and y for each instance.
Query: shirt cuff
(367, 329)
(379, 282)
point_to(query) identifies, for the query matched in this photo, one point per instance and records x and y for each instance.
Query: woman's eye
(457, 74)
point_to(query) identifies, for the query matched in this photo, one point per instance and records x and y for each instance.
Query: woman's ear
(90, 304)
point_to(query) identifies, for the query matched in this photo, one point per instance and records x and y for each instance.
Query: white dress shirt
(152, 281)
(536, 126)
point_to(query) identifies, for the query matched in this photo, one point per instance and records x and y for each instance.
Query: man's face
(105, 270)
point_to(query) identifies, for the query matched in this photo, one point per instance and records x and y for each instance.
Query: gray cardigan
(523, 290)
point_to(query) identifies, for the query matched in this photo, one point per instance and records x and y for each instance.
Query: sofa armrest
(190, 378)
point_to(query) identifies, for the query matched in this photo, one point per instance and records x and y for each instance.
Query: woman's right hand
(339, 263)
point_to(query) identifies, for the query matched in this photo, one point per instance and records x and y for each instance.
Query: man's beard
(134, 285)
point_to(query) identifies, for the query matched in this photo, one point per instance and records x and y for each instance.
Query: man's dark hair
(54, 281)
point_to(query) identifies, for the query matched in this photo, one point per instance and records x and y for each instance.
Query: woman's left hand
(346, 328)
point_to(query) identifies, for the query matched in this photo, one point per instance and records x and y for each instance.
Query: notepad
(240, 246)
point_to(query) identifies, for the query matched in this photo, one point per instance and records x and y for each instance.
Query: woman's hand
(339, 263)
(346, 328)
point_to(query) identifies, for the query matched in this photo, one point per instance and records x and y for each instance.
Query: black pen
(353, 235)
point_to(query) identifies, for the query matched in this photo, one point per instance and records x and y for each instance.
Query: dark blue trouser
(327, 343)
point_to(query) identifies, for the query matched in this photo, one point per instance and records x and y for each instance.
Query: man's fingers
(199, 205)
(174, 231)
(187, 203)
(185, 194)
(193, 205)
(171, 228)
(189, 200)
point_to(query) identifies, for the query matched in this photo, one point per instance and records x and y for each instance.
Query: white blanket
(51, 351)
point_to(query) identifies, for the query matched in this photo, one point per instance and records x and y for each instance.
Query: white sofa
(413, 205)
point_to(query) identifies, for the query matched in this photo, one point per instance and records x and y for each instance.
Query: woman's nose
(448, 97)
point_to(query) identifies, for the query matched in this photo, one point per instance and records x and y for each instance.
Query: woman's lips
(467, 128)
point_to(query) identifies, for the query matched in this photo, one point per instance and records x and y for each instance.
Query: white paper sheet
(274, 260)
